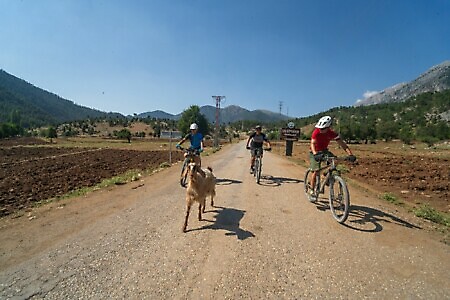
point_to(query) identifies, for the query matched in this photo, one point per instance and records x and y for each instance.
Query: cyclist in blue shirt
(196, 139)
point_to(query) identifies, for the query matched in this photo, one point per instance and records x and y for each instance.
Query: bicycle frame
(339, 197)
(331, 168)
(190, 157)
(258, 163)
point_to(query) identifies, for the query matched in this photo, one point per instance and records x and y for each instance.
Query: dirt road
(260, 241)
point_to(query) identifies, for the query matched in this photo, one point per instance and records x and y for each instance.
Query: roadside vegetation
(425, 211)
(391, 198)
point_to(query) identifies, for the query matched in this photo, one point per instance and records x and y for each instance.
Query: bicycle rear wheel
(310, 192)
(184, 173)
(258, 169)
(339, 199)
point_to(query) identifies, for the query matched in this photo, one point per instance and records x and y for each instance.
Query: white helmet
(324, 122)
(194, 126)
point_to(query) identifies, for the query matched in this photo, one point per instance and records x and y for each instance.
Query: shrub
(427, 212)
(391, 198)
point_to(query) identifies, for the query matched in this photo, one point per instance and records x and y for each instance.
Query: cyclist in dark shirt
(255, 141)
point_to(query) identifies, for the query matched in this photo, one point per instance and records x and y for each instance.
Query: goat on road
(199, 187)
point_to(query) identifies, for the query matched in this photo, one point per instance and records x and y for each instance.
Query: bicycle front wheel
(184, 173)
(258, 166)
(339, 199)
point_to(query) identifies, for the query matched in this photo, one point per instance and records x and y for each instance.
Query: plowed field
(412, 176)
(31, 174)
(414, 179)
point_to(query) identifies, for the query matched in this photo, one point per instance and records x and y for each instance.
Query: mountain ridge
(37, 106)
(228, 114)
(435, 79)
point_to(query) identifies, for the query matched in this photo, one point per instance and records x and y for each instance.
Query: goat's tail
(210, 169)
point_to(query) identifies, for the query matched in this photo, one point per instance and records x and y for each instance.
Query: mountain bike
(190, 157)
(258, 163)
(339, 197)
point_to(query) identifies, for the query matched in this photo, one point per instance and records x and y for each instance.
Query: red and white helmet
(324, 122)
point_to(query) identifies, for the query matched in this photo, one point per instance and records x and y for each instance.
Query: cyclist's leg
(198, 160)
(252, 159)
(314, 166)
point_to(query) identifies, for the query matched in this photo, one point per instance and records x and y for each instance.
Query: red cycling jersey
(323, 139)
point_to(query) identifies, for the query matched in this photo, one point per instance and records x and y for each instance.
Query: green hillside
(36, 106)
(425, 117)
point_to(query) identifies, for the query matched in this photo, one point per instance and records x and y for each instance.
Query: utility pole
(217, 130)
(280, 105)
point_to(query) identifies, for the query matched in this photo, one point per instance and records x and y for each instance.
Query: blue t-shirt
(195, 139)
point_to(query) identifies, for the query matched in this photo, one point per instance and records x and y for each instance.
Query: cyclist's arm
(181, 142)
(267, 141)
(248, 141)
(201, 145)
(344, 146)
(313, 146)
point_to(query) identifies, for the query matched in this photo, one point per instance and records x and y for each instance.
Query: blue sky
(137, 56)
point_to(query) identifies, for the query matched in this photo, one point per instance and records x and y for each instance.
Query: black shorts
(254, 151)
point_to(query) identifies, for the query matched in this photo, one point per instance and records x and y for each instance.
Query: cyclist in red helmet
(320, 139)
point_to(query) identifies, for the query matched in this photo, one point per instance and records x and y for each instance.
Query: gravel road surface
(259, 241)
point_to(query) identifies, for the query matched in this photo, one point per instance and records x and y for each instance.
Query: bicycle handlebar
(265, 149)
(326, 157)
(190, 150)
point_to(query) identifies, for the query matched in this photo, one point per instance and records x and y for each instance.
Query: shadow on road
(366, 219)
(268, 180)
(228, 219)
(226, 181)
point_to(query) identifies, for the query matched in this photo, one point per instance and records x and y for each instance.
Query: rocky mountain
(229, 114)
(39, 107)
(436, 79)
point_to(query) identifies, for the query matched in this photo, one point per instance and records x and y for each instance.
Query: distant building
(171, 134)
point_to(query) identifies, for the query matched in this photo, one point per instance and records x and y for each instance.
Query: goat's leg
(200, 208)
(203, 203)
(203, 206)
(212, 200)
(188, 208)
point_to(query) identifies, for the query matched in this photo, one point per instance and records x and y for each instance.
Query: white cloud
(366, 95)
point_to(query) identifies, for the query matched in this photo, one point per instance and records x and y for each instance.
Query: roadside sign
(290, 134)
